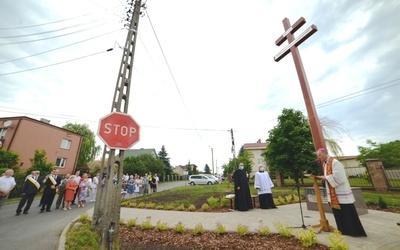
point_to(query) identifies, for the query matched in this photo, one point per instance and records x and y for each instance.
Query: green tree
(163, 155)
(290, 144)
(388, 153)
(9, 159)
(207, 169)
(89, 150)
(142, 164)
(39, 162)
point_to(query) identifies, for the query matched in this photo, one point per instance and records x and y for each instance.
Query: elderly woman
(83, 190)
(70, 190)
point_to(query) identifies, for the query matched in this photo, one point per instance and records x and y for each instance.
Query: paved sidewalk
(381, 227)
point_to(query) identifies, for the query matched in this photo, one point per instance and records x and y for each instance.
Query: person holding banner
(50, 187)
(340, 196)
(29, 191)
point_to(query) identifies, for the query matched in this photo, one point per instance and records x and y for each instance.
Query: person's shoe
(41, 211)
(69, 208)
(65, 209)
(79, 205)
(82, 205)
(17, 214)
(57, 207)
(26, 213)
(48, 210)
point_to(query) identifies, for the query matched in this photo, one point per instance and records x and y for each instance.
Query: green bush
(180, 207)
(160, 226)
(225, 202)
(243, 230)
(307, 237)
(263, 230)
(192, 208)
(169, 207)
(150, 205)
(84, 238)
(141, 205)
(205, 207)
(131, 222)
(160, 207)
(336, 241)
(133, 205)
(382, 203)
(220, 229)
(283, 230)
(213, 202)
(179, 228)
(146, 225)
(84, 218)
(199, 229)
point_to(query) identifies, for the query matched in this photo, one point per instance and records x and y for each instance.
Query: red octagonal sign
(118, 130)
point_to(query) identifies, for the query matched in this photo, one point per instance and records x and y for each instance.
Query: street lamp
(212, 159)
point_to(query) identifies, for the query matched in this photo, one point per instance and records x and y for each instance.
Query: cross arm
(297, 25)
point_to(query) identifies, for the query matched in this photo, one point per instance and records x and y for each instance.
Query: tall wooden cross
(316, 130)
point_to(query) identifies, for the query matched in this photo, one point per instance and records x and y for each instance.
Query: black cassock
(242, 196)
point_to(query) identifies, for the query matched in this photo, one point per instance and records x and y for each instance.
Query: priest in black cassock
(242, 190)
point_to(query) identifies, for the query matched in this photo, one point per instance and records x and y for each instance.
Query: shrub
(134, 204)
(263, 230)
(160, 226)
(283, 230)
(169, 207)
(84, 238)
(205, 207)
(160, 207)
(225, 202)
(307, 237)
(199, 229)
(122, 221)
(336, 241)
(179, 228)
(289, 198)
(220, 229)
(180, 207)
(124, 203)
(382, 203)
(192, 208)
(243, 230)
(282, 200)
(131, 222)
(146, 225)
(84, 218)
(150, 205)
(213, 202)
(141, 205)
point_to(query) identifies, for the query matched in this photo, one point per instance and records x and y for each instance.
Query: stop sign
(118, 130)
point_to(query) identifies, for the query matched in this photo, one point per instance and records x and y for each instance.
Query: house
(183, 169)
(137, 152)
(23, 135)
(256, 150)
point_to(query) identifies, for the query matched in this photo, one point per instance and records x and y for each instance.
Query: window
(3, 132)
(65, 144)
(61, 162)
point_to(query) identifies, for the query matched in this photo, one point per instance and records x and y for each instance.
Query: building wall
(25, 135)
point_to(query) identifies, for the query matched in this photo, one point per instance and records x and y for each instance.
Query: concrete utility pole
(315, 124)
(107, 208)
(233, 151)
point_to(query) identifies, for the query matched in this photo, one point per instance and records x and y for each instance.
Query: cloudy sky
(203, 68)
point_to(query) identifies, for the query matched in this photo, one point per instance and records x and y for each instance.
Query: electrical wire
(172, 75)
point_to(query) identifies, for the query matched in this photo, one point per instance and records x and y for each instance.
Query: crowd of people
(72, 190)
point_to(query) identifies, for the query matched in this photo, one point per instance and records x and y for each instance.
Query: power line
(43, 52)
(172, 75)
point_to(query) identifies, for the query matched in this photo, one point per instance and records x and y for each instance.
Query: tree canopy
(388, 153)
(207, 169)
(9, 159)
(39, 162)
(290, 144)
(143, 164)
(89, 150)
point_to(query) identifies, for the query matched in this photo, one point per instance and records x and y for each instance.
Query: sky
(203, 68)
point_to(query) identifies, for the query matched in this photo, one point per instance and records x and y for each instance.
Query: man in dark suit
(50, 187)
(29, 190)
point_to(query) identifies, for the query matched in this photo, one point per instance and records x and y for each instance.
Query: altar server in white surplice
(263, 184)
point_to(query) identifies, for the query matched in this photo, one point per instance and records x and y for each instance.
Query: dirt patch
(138, 239)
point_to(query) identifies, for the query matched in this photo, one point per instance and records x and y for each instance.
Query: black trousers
(28, 199)
(60, 199)
(48, 200)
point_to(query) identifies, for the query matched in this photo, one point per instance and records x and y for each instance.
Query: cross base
(324, 226)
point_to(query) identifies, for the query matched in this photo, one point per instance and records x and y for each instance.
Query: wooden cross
(315, 125)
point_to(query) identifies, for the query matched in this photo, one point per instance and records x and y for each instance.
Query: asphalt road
(38, 231)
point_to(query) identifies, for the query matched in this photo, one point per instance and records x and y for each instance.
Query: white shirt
(263, 182)
(7, 182)
(339, 182)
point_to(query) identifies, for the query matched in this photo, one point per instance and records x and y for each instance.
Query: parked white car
(200, 180)
(212, 177)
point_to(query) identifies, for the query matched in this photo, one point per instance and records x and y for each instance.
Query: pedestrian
(78, 181)
(61, 191)
(145, 184)
(264, 184)
(83, 190)
(155, 181)
(7, 183)
(130, 186)
(29, 190)
(242, 190)
(95, 183)
(50, 186)
(70, 190)
(340, 196)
